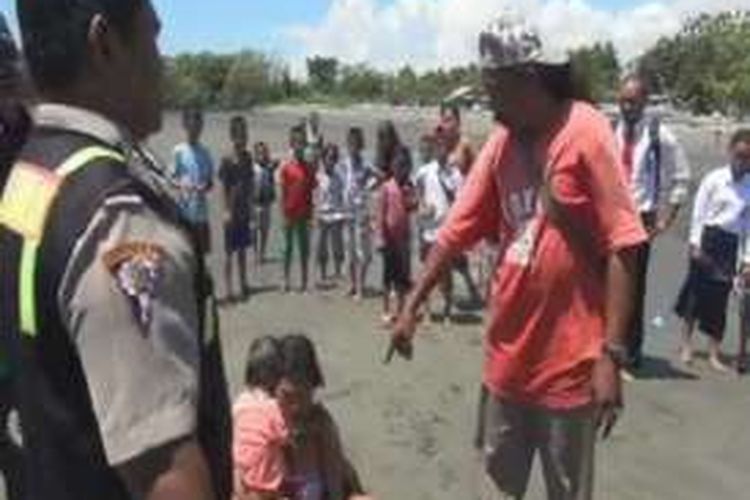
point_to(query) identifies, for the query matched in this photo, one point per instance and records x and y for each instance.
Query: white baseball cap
(510, 40)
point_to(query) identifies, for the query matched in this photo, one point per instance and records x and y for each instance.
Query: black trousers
(636, 332)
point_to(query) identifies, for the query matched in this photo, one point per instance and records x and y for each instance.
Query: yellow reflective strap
(85, 156)
(27, 289)
(32, 235)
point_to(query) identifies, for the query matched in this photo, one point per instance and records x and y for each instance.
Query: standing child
(237, 176)
(297, 187)
(194, 173)
(265, 176)
(331, 213)
(260, 433)
(397, 201)
(359, 179)
(438, 184)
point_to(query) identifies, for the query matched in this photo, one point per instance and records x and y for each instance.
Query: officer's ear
(105, 45)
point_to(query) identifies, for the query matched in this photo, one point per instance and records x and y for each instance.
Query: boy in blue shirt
(194, 173)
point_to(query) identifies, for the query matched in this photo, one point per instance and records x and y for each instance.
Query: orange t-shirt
(546, 327)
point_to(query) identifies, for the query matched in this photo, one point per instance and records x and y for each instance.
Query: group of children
(248, 193)
(286, 444)
(353, 205)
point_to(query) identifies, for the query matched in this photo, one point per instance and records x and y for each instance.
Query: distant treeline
(705, 67)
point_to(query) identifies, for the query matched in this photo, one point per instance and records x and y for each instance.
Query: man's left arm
(620, 232)
(676, 169)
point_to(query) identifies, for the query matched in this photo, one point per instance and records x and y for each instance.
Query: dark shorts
(237, 236)
(396, 268)
(704, 301)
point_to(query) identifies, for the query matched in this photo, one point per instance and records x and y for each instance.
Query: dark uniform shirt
(127, 300)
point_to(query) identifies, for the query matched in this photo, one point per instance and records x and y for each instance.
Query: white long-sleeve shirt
(723, 202)
(675, 170)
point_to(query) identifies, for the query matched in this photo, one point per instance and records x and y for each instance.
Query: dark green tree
(322, 73)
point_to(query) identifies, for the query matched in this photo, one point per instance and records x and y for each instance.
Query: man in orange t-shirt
(548, 187)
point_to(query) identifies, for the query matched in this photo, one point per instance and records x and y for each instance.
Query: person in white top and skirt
(719, 233)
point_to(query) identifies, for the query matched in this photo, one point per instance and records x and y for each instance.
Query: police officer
(14, 126)
(121, 388)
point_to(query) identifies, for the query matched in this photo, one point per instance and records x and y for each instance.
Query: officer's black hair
(300, 361)
(264, 363)
(55, 35)
(740, 135)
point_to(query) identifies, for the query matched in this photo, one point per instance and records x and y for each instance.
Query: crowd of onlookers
(356, 203)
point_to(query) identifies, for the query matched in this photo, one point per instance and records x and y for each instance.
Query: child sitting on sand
(261, 435)
(317, 466)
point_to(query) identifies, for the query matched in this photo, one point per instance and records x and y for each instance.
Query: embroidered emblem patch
(137, 268)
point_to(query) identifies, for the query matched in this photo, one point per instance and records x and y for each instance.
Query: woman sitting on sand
(317, 466)
(286, 445)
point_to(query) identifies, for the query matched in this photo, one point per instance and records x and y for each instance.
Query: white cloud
(433, 33)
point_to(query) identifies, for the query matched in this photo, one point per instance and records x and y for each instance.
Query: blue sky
(390, 33)
(228, 25)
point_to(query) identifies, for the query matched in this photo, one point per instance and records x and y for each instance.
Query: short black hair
(331, 148)
(298, 129)
(451, 108)
(740, 135)
(264, 363)
(192, 112)
(563, 81)
(402, 161)
(237, 121)
(357, 134)
(300, 361)
(55, 35)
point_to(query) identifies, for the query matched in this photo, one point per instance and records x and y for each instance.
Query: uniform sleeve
(675, 164)
(700, 210)
(128, 301)
(476, 212)
(617, 223)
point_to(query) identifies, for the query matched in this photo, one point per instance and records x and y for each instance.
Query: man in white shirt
(656, 167)
(438, 183)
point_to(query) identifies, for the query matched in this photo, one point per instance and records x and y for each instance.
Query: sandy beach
(409, 426)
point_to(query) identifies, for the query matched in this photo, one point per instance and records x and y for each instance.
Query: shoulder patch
(27, 198)
(137, 269)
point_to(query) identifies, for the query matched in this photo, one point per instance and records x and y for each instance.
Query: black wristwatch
(617, 353)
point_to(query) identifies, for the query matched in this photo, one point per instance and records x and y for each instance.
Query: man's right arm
(474, 215)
